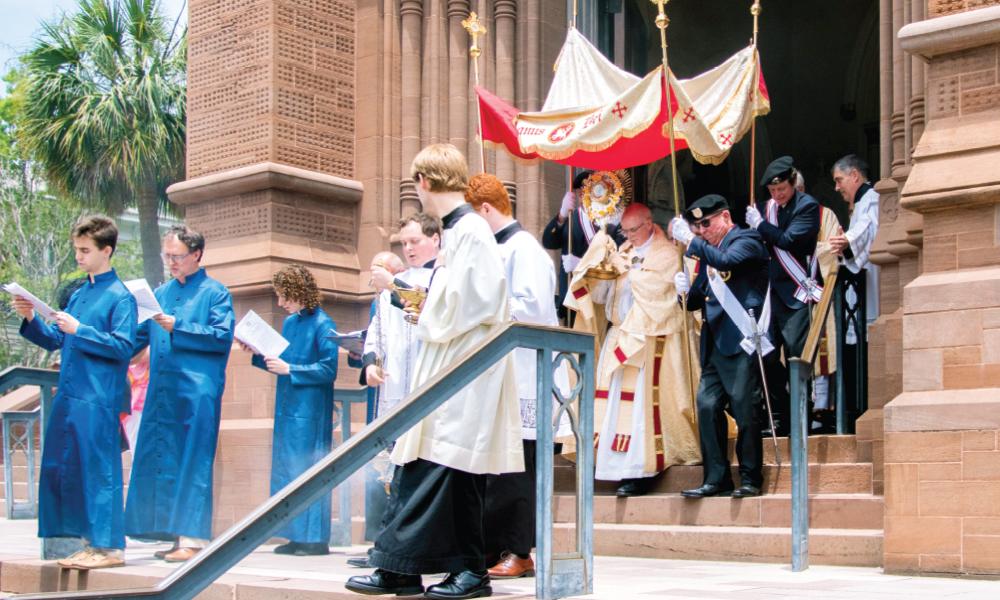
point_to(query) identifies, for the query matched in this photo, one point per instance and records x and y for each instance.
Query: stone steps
(846, 547)
(826, 511)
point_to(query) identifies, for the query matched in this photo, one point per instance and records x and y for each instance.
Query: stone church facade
(304, 115)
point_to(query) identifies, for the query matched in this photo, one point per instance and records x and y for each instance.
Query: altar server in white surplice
(434, 520)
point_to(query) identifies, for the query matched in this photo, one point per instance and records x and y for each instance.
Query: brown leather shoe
(70, 561)
(181, 554)
(160, 554)
(512, 567)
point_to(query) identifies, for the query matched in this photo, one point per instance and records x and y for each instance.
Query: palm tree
(103, 105)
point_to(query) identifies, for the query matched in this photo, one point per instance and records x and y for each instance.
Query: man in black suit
(789, 224)
(572, 223)
(730, 280)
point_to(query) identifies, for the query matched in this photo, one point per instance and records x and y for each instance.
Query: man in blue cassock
(303, 403)
(80, 490)
(170, 492)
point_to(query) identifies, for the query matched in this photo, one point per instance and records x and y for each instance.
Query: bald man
(644, 410)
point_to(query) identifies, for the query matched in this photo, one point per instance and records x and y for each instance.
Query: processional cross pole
(475, 29)
(662, 22)
(755, 11)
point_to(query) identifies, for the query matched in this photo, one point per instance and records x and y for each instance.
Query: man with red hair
(531, 281)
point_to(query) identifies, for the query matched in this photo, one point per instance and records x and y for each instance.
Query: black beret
(580, 178)
(779, 170)
(705, 206)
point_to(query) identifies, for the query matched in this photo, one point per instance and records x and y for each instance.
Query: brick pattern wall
(964, 83)
(940, 8)
(951, 350)
(962, 238)
(942, 502)
(271, 80)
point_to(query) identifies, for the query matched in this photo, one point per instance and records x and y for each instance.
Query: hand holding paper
(43, 309)
(259, 336)
(144, 298)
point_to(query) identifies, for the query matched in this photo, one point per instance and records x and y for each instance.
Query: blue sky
(21, 19)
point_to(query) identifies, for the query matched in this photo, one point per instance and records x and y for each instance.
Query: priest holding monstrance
(644, 413)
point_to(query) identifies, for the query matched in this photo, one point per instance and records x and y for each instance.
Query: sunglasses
(704, 222)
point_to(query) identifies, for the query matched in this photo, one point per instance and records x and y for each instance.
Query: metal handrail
(557, 576)
(24, 440)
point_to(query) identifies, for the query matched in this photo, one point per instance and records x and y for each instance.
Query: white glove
(569, 262)
(681, 231)
(753, 217)
(568, 204)
(682, 283)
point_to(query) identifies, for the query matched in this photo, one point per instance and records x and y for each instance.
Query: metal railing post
(799, 372)
(840, 319)
(544, 484)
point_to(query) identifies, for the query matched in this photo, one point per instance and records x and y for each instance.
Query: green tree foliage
(103, 109)
(35, 248)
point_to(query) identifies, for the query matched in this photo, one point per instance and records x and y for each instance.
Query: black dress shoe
(458, 586)
(312, 549)
(361, 562)
(289, 548)
(634, 487)
(385, 582)
(709, 489)
(746, 491)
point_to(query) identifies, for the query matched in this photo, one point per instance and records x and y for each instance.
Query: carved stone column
(504, 16)
(459, 84)
(271, 181)
(411, 13)
(942, 431)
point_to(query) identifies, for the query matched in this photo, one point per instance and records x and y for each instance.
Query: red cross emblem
(619, 110)
(689, 115)
(726, 139)
(561, 133)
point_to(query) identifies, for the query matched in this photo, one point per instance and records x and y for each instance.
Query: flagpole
(476, 29)
(661, 23)
(755, 11)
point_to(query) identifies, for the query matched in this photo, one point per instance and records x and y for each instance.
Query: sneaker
(71, 561)
(99, 559)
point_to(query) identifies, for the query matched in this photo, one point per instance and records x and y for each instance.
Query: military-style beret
(580, 179)
(781, 169)
(705, 206)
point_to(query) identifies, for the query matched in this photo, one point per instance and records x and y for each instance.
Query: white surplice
(477, 430)
(531, 283)
(394, 341)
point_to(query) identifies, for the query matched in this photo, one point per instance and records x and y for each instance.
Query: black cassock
(433, 521)
(510, 510)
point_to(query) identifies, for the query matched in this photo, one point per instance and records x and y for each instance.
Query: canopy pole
(661, 23)
(755, 11)
(476, 29)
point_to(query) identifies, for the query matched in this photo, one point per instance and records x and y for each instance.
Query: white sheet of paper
(144, 297)
(43, 309)
(261, 337)
(352, 342)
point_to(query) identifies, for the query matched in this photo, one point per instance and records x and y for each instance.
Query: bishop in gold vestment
(643, 407)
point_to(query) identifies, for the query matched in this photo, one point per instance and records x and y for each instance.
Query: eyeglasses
(174, 258)
(635, 229)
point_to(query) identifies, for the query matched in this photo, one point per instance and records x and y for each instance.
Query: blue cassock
(80, 490)
(303, 415)
(170, 491)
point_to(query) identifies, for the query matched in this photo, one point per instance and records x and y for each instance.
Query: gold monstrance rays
(475, 28)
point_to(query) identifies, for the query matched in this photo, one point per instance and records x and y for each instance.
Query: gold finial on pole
(662, 22)
(755, 11)
(475, 29)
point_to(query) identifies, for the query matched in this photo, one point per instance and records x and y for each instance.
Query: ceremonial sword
(763, 382)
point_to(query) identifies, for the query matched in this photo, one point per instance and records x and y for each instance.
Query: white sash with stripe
(809, 290)
(734, 310)
(589, 231)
